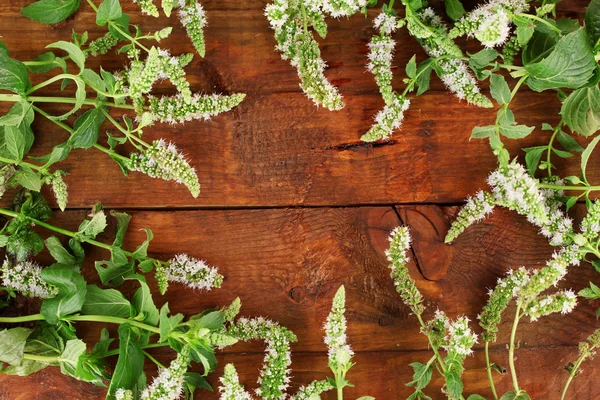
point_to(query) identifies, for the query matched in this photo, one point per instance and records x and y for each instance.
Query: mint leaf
(499, 88)
(532, 158)
(568, 142)
(592, 22)
(570, 64)
(539, 46)
(109, 302)
(585, 156)
(69, 359)
(14, 142)
(482, 132)
(130, 364)
(47, 62)
(454, 384)
(50, 11)
(60, 254)
(590, 293)
(411, 67)
(74, 52)
(109, 10)
(421, 376)
(516, 131)
(12, 344)
(168, 324)
(581, 110)
(122, 225)
(483, 58)
(92, 227)
(525, 29)
(29, 179)
(144, 305)
(87, 129)
(13, 74)
(20, 112)
(71, 292)
(454, 9)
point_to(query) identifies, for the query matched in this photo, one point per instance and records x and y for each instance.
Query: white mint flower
(380, 64)
(476, 208)
(494, 28)
(168, 385)
(387, 120)
(460, 339)
(189, 271)
(546, 277)
(274, 378)
(162, 160)
(193, 18)
(147, 7)
(230, 388)
(590, 225)
(309, 392)
(122, 394)
(386, 23)
(342, 8)
(25, 277)
(177, 109)
(460, 81)
(563, 302)
(339, 352)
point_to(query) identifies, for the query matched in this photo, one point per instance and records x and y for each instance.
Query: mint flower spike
(342, 8)
(171, 68)
(549, 276)
(168, 385)
(453, 71)
(460, 340)
(162, 160)
(122, 394)
(193, 18)
(563, 301)
(230, 388)
(489, 23)
(147, 7)
(477, 208)
(177, 109)
(274, 378)
(103, 44)
(59, 188)
(188, 271)
(311, 72)
(312, 390)
(405, 285)
(340, 353)
(25, 277)
(388, 119)
(590, 225)
(141, 77)
(506, 289)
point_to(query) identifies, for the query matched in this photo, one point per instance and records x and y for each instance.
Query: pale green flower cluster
(231, 388)
(122, 394)
(341, 8)
(59, 188)
(563, 301)
(546, 277)
(587, 349)
(381, 51)
(141, 75)
(460, 338)
(590, 225)
(25, 277)
(506, 289)
(397, 256)
(274, 378)
(340, 352)
(176, 109)
(489, 23)
(103, 44)
(191, 272)
(312, 391)
(477, 207)
(435, 329)
(193, 18)
(168, 385)
(162, 160)
(388, 119)
(147, 7)
(453, 71)
(171, 68)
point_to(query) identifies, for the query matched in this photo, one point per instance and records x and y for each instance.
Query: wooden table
(293, 205)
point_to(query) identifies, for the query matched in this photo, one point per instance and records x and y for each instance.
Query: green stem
(15, 162)
(63, 100)
(154, 360)
(43, 359)
(83, 318)
(148, 346)
(433, 347)
(124, 131)
(340, 393)
(304, 18)
(541, 20)
(572, 374)
(559, 187)
(549, 151)
(50, 81)
(511, 349)
(488, 367)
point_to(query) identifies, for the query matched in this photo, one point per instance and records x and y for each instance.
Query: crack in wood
(352, 146)
(412, 250)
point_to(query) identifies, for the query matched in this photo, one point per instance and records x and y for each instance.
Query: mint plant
(127, 91)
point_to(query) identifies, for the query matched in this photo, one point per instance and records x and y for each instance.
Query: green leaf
(46, 63)
(168, 324)
(581, 110)
(29, 179)
(143, 304)
(93, 80)
(50, 11)
(516, 131)
(113, 275)
(592, 22)
(538, 47)
(87, 129)
(12, 345)
(122, 225)
(109, 10)
(92, 227)
(482, 132)
(421, 376)
(69, 359)
(532, 158)
(72, 50)
(109, 302)
(570, 64)
(130, 364)
(60, 254)
(14, 142)
(21, 112)
(568, 142)
(423, 76)
(454, 384)
(411, 67)
(123, 24)
(585, 156)
(142, 250)
(454, 9)
(71, 292)
(482, 58)
(24, 243)
(13, 74)
(476, 397)
(590, 293)
(499, 88)
(562, 153)
(525, 29)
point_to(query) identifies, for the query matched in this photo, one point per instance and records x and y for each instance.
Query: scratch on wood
(359, 145)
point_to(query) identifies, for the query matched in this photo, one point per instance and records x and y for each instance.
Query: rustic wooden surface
(293, 205)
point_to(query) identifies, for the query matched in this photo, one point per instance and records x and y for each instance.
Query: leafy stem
(488, 367)
(511, 349)
(126, 132)
(541, 20)
(16, 162)
(572, 374)
(50, 81)
(63, 100)
(549, 150)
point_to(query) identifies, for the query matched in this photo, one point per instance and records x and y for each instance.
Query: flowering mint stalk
(587, 350)
(489, 23)
(231, 388)
(176, 109)
(310, 391)
(188, 271)
(169, 382)
(147, 7)
(477, 208)
(25, 277)
(274, 377)
(563, 301)
(193, 18)
(459, 342)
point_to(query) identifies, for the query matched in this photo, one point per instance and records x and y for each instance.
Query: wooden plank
(287, 264)
(379, 374)
(279, 150)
